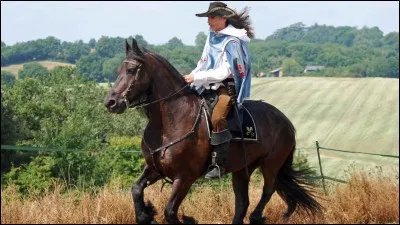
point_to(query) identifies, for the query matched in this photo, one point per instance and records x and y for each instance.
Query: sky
(158, 22)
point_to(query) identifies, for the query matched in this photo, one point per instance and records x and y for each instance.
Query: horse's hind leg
(144, 213)
(180, 188)
(268, 189)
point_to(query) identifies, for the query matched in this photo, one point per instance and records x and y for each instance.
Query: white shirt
(211, 76)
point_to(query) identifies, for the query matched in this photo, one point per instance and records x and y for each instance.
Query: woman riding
(224, 67)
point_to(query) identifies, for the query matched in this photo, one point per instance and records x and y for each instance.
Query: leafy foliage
(64, 111)
(7, 78)
(33, 70)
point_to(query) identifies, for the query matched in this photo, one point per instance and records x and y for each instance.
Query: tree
(294, 33)
(380, 67)
(201, 38)
(174, 43)
(110, 67)
(392, 40)
(91, 67)
(107, 47)
(291, 67)
(10, 128)
(369, 37)
(33, 70)
(72, 52)
(92, 43)
(346, 35)
(393, 67)
(7, 78)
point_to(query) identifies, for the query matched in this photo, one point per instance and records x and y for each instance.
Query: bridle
(143, 104)
(164, 147)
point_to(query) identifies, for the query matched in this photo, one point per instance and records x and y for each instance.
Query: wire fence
(324, 177)
(44, 149)
(318, 148)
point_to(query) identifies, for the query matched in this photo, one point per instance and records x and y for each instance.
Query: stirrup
(213, 167)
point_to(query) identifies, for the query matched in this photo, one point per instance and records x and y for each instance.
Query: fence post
(320, 167)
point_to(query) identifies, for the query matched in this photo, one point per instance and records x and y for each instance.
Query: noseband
(142, 105)
(164, 147)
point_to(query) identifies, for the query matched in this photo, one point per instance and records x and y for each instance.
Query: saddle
(248, 128)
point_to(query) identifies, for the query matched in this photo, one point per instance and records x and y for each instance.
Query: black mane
(171, 69)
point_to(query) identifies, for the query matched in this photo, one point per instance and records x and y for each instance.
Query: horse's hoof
(189, 220)
(147, 215)
(260, 220)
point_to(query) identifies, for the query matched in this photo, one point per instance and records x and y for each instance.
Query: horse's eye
(132, 70)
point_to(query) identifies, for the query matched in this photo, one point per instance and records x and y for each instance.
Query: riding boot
(220, 142)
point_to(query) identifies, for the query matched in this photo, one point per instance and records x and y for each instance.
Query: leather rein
(162, 148)
(142, 105)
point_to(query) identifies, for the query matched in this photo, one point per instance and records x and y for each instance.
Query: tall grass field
(362, 200)
(353, 114)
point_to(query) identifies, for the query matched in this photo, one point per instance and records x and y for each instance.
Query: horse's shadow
(185, 220)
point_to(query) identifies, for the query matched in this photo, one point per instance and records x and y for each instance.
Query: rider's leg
(221, 136)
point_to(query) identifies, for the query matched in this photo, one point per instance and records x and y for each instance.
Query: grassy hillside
(48, 64)
(341, 113)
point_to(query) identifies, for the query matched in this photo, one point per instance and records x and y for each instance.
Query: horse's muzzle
(114, 104)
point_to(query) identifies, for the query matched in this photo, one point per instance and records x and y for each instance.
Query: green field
(356, 114)
(48, 64)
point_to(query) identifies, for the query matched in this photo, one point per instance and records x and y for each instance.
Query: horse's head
(132, 84)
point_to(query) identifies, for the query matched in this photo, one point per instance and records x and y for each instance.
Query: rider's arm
(202, 59)
(199, 65)
(213, 75)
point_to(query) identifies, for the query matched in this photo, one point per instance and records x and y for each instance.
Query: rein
(163, 148)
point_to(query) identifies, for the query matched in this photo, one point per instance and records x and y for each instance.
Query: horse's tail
(294, 190)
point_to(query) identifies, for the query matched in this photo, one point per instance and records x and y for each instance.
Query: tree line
(343, 51)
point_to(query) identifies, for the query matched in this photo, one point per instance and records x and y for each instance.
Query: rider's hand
(188, 78)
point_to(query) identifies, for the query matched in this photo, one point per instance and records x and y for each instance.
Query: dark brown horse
(176, 145)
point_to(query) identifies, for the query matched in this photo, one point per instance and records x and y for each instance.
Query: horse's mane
(171, 69)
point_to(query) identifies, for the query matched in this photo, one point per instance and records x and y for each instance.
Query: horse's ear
(127, 47)
(136, 48)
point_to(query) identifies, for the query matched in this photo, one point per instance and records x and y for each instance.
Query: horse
(176, 145)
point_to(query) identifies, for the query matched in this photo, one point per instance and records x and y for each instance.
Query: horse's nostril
(111, 103)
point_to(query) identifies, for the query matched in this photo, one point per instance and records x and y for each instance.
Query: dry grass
(14, 69)
(362, 200)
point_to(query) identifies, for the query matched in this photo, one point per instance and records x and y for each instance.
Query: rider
(225, 60)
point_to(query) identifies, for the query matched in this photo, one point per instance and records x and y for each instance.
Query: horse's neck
(171, 113)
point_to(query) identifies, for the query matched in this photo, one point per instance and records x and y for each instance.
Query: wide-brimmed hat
(218, 9)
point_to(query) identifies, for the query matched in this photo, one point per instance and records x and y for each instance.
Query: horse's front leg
(180, 188)
(144, 213)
